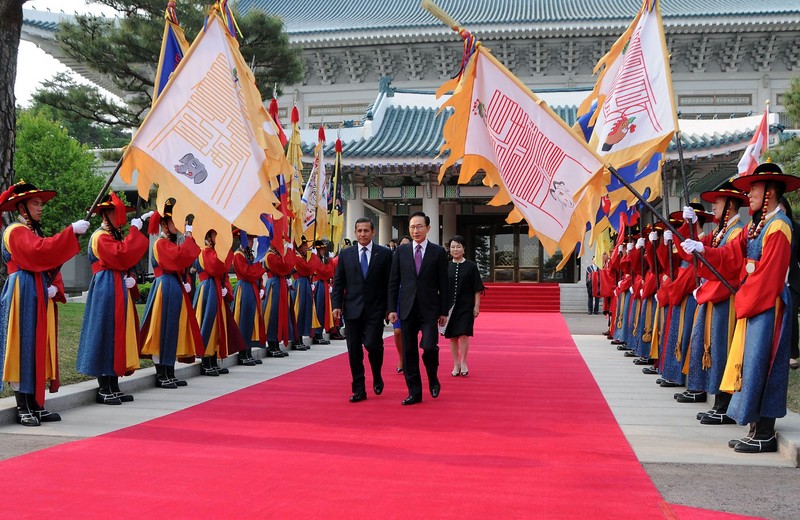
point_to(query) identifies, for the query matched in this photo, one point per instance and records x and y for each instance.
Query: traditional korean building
(371, 69)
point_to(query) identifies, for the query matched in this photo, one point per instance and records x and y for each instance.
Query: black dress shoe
(378, 387)
(660, 380)
(643, 361)
(435, 389)
(669, 384)
(358, 396)
(630, 353)
(617, 342)
(623, 346)
(299, 346)
(411, 399)
(320, 341)
(650, 370)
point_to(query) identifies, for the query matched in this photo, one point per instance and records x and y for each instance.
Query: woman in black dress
(465, 290)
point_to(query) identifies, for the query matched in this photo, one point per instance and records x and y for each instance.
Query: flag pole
(665, 184)
(104, 189)
(669, 226)
(692, 231)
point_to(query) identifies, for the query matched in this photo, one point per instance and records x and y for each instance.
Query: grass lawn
(69, 330)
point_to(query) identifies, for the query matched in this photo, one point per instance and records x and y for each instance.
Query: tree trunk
(10, 30)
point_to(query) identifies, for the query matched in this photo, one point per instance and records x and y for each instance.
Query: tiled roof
(323, 16)
(417, 132)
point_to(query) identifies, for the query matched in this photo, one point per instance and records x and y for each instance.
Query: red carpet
(526, 435)
(521, 297)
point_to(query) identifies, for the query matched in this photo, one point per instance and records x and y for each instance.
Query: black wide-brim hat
(676, 222)
(767, 172)
(726, 189)
(698, 209)
(107, 203)
(21, 192)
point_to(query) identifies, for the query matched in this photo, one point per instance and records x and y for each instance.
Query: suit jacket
(428, 288)
(354, 294)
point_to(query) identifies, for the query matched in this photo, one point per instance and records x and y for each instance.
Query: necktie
(364, 264)
(418, 257)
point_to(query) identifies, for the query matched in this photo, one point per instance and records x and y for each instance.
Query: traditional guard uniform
(221, 335)
(324, 267)
(622, 310)
(757, 370)
(647, 312)
(169, 330)
(247, 296)
(28, 334)
(277, 312)
(713, 324)
(109, 344)
(302, 296)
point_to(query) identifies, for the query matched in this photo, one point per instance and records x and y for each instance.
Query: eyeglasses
(417, 227)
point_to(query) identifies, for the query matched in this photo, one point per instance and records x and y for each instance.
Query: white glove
(187, 229)
(129, 282)
(619, 284)
(690, 246)
(689, 215)
(80, 227)
(694, 293)
(224, 292)
(187, 287)
(630, 289)
(653, 236)
(254, 244)
(147, 215)
(641, 293)
(629, 247)
(655, 297)
(288, 283)
(667, 236)
(640, 243)
(289, 246)
(52, 291)
(137, 223)
(330, 255)
(261, 294)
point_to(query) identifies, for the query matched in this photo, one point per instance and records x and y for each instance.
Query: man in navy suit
(419, 278)
(360, 286)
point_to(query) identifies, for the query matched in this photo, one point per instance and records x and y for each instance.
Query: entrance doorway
(505, 253)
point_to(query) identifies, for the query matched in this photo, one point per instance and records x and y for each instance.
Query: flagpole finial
(448, 20)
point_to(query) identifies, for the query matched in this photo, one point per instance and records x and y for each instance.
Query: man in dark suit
(419, 277)
(360, 286)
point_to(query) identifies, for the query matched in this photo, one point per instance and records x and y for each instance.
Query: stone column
(449, 220)
(354, 211)
(384, 228)
(430, 205)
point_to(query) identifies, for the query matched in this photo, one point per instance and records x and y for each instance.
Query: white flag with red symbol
(758, 146)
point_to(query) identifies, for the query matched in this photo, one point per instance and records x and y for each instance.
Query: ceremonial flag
(335, 201)
(273, 112)
(294, 154)
(758, 146)
(635, 115)
(315, 196)
(209, 143)
(173, 47)
(499, 126)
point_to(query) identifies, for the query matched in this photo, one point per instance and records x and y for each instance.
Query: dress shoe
(411, 399)
(104, 398)
(660, 380)
(464, 370)
(670, 384)
(47, 416)
(650, 371)
(769, 445)
(630, 353)
(275, 353)
(299, 346)
(617, 342)
(337, 336)
(716, 418)
(320, 341)
(692, 397)
(733, 442)
(623, 347)
(456, 372)
(378, 387)
(643, 361)
(435, 389)
(358, 396)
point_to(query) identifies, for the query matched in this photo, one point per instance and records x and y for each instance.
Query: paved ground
(689, 463)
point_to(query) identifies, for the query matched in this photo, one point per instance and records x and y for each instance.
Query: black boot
(43, 414)
(252, 357)
(206, 369)
(104, 393)
(25, 415)
(113, 384)
(299, 345)
(245, 359)
(219, 369)
(317, 339)
(763, 439)
(273, 350)
(162, 381)
(171, 375)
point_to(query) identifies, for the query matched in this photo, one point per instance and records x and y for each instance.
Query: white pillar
(430, 205)
(448, 220)
(354, 211)
(384, 228)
